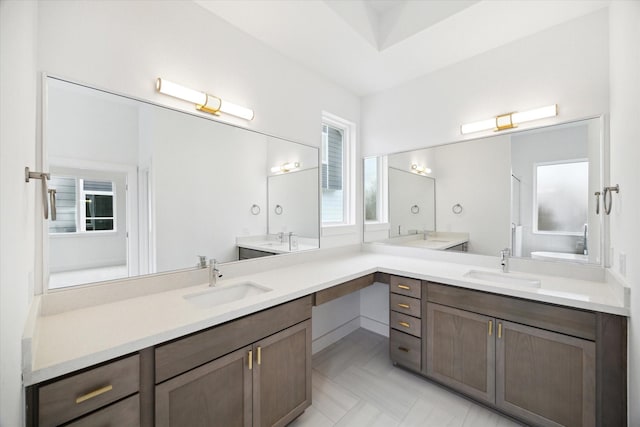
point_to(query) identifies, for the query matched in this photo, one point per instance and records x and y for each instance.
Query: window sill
(339, 229)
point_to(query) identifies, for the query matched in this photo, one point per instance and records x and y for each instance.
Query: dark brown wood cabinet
(461, 351)
(545, 377)
(405, 314)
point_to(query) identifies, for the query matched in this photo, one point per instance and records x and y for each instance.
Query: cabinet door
(545, 377)
(282, 376)
(461, 350)
(215, 394)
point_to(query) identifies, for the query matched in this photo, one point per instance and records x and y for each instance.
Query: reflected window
(336, 177)
(82, 205)
(371, 189)
(561, 197)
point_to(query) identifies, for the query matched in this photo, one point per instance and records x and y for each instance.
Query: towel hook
(415, 209)
(608, 191)
(457, 209)
(255, 209)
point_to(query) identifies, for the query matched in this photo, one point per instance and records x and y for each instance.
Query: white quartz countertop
(75, 339)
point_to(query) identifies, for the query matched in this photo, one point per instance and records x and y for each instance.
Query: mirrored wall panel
(142, 189)
(531, 191)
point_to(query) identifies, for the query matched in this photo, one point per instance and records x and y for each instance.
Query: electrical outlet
(622, 267)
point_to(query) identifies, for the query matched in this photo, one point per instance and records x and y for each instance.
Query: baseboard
(374, 326)
(335, 335)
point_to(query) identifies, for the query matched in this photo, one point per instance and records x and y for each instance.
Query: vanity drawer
(404, 304)
(405, 286)
(124, 413)
(71, 397)
(404, 323)
(405, 349)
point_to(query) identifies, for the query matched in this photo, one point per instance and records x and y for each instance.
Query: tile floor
(355, 384)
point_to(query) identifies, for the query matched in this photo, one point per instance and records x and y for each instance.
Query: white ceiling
(370, 45)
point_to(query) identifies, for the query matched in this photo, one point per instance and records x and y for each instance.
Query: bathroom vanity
(547, 355)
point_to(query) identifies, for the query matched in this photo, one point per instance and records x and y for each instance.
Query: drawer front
(405, 350)
(405, 286)
(404, 323)
(124, 413)
(406, 305)
(71, 397)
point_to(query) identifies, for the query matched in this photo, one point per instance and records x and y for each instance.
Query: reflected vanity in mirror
(531, 191)
(141, 188)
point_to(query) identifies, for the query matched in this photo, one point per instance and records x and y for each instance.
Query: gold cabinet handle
(401, 305)
(405, 349)
(259, 355)
(405, 287)
(94, 393)
(490, 327)
(405, 324)
(250, 360)
(499, 330)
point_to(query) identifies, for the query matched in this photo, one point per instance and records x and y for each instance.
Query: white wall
(294, 193)
(476, 176)
(406, 190)
(566, 64)
(18, 84)
(625, 152)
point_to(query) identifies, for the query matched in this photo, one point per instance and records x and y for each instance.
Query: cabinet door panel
(282, 376)
(461, 351)
(545, 377)
(215, 394)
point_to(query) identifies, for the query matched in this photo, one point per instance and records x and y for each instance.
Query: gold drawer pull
(405, 324)
(94, 393)
(250, 360)
(406, 350)
(490, 327)
(499, 330)
(259, 355)
(405, 287)
(401, 305)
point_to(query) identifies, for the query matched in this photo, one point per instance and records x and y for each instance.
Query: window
(561, 197)
(375, 189)
(337, 155)
(83, 206)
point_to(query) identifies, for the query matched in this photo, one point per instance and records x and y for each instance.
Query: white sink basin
(503, 278)
(225, 294)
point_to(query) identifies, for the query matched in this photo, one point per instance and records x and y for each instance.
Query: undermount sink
(225, 294)
(503, 278)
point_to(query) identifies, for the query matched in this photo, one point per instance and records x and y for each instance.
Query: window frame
(348, 168)
(382, 176)
(83, 209)
(536, 165)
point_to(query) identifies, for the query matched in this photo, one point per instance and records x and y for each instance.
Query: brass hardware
(406, 350)
(405, 287)
(490, 327)
(499, 330)
(405, 324)
(94, 393)
(403, 306)
(207, 109)
(250, 360)
(259, 355)
(507, 125)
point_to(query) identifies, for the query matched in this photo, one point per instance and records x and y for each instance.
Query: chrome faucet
(504, 259)
(585, 250)
(203, 261)
(281, 237)
(214, 272)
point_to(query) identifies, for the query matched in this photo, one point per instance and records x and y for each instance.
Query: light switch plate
(622, 264)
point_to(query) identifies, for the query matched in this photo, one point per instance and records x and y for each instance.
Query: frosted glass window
(562, 193)
(371, 189)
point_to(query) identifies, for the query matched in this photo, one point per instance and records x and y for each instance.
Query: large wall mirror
(531, 191)
(141, 189)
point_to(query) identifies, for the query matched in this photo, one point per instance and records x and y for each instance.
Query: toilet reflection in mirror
(531, 191)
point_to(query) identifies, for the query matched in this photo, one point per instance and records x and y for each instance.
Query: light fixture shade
(203, 101)
(421, 169)
(510, 120)
(285, 167)
(177, 91)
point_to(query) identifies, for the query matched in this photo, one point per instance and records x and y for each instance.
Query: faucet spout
(504, 259)
(214, 272)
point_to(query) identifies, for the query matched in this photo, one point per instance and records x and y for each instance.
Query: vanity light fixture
(286, 167)
(510, 120)
(421, 169)
(204, 102)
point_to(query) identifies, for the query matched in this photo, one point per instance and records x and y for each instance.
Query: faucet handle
(505, 252)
